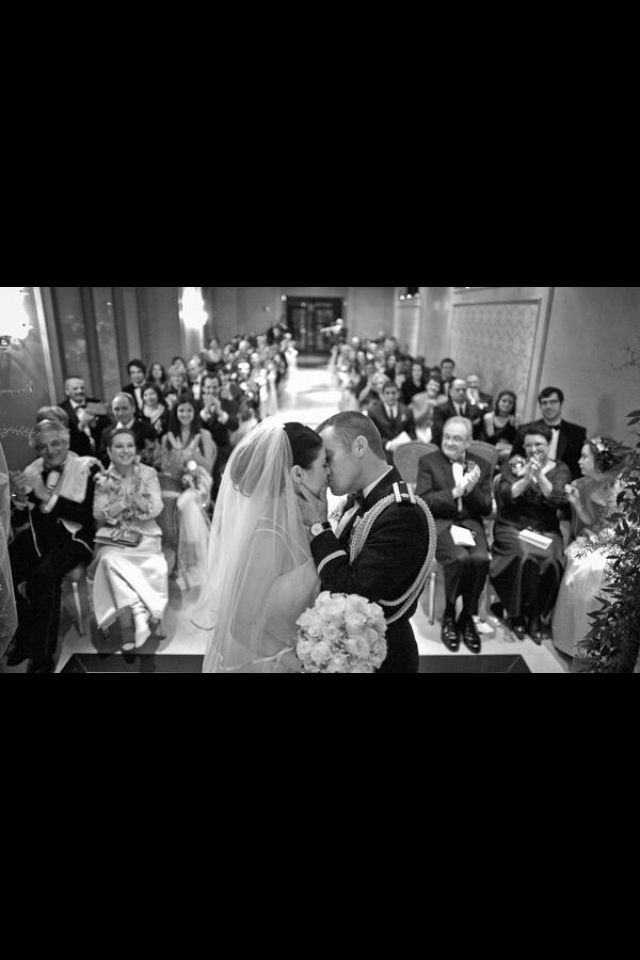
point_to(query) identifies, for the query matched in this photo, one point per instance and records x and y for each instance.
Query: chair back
(484, 451)
(407, 457)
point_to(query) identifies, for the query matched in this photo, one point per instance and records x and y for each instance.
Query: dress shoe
(449, 634)
(470, 636)
(535, 629)
(518, 627)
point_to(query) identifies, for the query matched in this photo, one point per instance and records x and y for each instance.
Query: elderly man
(53, 514)
(456, 406)
(124, 415)
(85, 428)
(457, 489)
(567, 439)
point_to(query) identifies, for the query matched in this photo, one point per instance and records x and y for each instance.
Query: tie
(353, 499)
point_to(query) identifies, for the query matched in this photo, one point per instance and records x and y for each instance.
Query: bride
(261, 574)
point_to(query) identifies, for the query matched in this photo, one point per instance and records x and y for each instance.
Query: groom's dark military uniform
(391, 559)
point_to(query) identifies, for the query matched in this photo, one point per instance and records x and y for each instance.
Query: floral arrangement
(125, 506)
(342, 633)
(518, 465)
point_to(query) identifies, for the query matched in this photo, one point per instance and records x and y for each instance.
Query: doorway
(310, 320)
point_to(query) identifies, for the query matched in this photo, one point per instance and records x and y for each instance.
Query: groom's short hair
(350, 425)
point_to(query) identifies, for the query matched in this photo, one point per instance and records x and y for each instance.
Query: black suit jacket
(79, 441)
(389, 563)
(131, 390)
(571, 440)
(445, 411)
(435, 483)
(390, 429)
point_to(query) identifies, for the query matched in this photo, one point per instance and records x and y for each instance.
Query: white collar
(372, 486)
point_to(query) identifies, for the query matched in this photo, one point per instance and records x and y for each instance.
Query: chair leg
(76, 598)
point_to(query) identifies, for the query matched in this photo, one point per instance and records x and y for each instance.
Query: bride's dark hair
(305, 444)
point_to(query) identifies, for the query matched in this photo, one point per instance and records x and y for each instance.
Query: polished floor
(178, 646)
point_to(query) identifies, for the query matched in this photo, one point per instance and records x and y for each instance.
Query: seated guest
(85, 429)
(529, 492)
(129, 577)
(500, 425)
(414, 384)
(447, 373)
(218, 416)
(392, 419)
(567, 439)
(248, 417)
(53, 502)
(154, 411)
(475, 396)
(138, 373)
(124, 415)
(423, 406)
(195, 371)
(456, 406)
(593, 499)
(158, 375)
(189, 455)
(176, 385)
(457, 490)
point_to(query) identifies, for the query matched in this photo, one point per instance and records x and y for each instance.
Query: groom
(396, 547)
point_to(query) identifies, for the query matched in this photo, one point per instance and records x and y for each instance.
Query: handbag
(118, 537)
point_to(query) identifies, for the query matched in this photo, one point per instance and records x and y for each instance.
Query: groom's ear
(360, 446)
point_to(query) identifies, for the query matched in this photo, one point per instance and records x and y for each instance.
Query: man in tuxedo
(456, 406)
(53, 514)
(388, 567)
(138, 372)
(476, 397)
(567, 439)
(457, 490)
(124, 415)
(392, 418)
(84, 428)
(447, 372)
(195, 370)
(220, 419)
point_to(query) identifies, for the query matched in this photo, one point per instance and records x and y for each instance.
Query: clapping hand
(573, 496)
(471, 478)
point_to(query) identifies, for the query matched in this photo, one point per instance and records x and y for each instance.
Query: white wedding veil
(257, 538)
(8, 616)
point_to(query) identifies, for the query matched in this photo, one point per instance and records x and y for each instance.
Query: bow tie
(355, 499)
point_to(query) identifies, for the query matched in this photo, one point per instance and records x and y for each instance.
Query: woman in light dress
(593, 499)
(125, 577)
(261, 574)
(188, 456)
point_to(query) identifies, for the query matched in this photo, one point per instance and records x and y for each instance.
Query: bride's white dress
(261, 575)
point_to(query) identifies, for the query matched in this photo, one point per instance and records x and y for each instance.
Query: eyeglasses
(449, 439)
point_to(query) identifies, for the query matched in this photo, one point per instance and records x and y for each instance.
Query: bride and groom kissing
(272, 549)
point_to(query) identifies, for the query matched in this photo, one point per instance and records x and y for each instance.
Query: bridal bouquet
(342, 633)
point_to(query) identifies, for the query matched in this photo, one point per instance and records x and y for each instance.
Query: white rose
(304, 648)
(338, 664)
(356, 604)
(372, 636)
(332, 612)
(321, 653)
(357, 647)
(330, 633)
(355, 623)
(360, 667)
(324, 597)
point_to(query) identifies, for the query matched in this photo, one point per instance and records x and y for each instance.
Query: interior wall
(25, 386)
(160, 331)
(589, 328)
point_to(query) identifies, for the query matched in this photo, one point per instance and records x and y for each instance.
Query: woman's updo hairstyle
(305, 444)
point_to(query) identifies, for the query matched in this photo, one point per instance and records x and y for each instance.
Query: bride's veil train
(257, 545)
